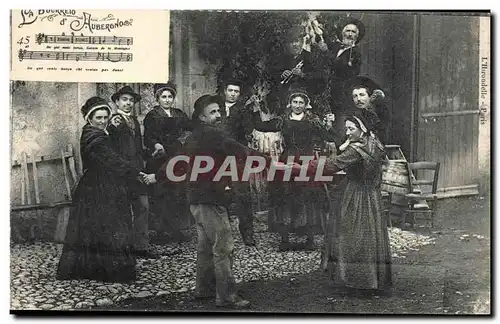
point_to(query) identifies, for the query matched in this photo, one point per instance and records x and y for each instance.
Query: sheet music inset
(90, 45)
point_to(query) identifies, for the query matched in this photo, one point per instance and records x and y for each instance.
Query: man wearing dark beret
(208, 201)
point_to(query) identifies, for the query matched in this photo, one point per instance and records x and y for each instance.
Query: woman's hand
(147, 178)
(159, 150)
(377, 94)
(285, 166)
(281, 166)
(116, 120)
(345, 145)
(329, 120)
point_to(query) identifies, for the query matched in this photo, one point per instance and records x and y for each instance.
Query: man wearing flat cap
(125, 132)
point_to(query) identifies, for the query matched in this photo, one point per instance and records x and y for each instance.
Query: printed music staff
(89, 40)
(75, 56)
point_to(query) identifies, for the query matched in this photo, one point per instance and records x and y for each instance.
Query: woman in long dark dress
(357, 250)
(99, 232)
(165, 130)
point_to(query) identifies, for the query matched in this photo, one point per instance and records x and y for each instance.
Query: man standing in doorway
(128, 141)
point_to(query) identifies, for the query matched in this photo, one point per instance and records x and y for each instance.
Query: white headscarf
(301, 94)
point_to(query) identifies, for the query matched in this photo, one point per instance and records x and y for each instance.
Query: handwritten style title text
(76, 22)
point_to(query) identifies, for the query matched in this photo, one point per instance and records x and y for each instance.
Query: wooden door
(447, 110)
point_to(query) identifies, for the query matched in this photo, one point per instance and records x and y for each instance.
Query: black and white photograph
(288, 162)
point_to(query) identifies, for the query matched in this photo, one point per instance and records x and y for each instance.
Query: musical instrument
(298, 66)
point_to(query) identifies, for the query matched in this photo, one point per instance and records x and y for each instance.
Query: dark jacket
(239, 122)
(300, 137)
(314, 71)
(212, 141)
(339, 72)
(379, 121)
(339, 68)
(99, 154)
(128, 141)
(165, 130)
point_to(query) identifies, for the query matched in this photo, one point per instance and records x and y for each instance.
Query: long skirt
(357, 251)
(297, 208)
(99, 235)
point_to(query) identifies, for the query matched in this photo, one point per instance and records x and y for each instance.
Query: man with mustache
(368, 98)
(208, 201)
(125, 132)
(344, 61)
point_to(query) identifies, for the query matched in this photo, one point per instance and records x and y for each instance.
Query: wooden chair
(417, 193)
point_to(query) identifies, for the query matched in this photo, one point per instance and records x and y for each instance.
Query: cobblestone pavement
(33, 267)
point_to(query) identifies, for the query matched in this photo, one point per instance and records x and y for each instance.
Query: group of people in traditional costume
(124, 179)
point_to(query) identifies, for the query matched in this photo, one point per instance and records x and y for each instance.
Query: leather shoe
(236, 303)
(284, 246)
(250, 242)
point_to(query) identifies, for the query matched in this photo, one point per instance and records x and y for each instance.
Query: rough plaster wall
(45, 118)
(44, 121)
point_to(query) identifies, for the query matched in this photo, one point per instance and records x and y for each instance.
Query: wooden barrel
(395, 177)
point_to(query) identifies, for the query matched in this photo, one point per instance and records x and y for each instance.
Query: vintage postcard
(212, 161)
